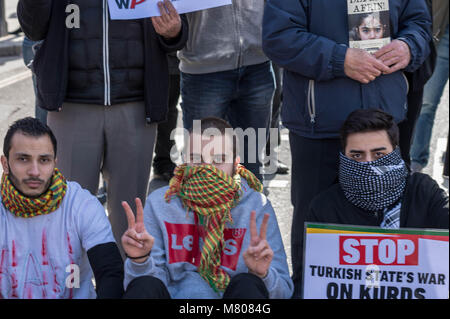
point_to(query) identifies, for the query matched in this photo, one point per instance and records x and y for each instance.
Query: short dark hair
(221, 125)
(27, 126)
(370, 120)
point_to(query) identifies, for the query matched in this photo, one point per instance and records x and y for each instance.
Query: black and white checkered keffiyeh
(373, 186)
(391, 217)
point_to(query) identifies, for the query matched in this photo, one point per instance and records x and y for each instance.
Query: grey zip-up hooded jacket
(224, 38)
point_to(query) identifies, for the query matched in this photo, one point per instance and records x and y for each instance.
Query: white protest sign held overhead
(139, 9)
(360, 262)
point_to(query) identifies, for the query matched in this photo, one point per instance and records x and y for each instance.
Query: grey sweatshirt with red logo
(176, 252)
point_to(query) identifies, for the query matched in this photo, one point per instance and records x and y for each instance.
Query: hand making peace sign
(136, 241)
(259, 255)
(168, 24)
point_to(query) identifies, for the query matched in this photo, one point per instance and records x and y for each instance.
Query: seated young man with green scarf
(54, 235)
(375, 186)
(210, 233)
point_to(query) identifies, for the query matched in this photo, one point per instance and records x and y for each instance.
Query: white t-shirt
(46, 256)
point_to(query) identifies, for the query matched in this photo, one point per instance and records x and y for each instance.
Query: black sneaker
(282, 168)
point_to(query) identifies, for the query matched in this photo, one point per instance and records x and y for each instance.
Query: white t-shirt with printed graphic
(45, 257)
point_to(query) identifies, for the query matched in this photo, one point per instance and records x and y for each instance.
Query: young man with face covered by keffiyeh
(54, 235)
(375, 186)
(210, 233)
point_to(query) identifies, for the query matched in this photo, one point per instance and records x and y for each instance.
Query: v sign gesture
(259, 255)
(136, 242)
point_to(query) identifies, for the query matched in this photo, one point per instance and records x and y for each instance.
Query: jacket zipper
(406, 81)
(312, 104)
(405, 106)
(106, 74)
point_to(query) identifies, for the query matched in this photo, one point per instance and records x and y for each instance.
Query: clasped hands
(364, 67)
(138, 243)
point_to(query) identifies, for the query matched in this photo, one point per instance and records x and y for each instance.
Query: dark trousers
(162, 161)
(92, 139)
(28, 56)
(146, 287)
(246, 286)
(241, 286)
(406, 128)
(314, 169)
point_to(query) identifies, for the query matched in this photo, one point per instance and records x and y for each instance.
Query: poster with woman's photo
(368, 22)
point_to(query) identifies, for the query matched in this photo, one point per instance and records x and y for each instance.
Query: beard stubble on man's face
(17, 183)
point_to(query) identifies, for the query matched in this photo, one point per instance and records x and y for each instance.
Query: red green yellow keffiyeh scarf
(211, 194)
(26, 207)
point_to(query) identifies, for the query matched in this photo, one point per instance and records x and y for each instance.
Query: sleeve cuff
(139, 267)
(270, 279)
(338, 60)
(177, 43)
(408, 43)
(134, 270)
(172, 42)
(413, 53)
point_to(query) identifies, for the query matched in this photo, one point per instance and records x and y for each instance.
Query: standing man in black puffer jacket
(105, 83)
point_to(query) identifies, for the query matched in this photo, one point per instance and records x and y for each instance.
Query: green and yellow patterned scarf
(26, 207)
(211, 194)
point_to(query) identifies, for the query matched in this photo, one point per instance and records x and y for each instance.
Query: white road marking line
(275, 183)
(14, 79)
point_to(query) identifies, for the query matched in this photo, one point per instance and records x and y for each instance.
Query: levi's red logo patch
(184, 243)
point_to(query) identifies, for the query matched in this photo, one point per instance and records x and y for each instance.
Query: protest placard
(359, 262)
(139, 9)
(368, 22)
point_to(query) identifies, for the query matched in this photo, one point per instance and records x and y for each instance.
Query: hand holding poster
(139, 9)
(357, 262)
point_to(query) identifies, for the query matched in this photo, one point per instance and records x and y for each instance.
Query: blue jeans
(420, 149)
(28, 56)
(241, 96)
